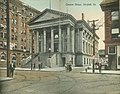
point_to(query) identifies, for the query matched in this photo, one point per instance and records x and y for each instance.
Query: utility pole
(8, 37)
(119, 16)
(94, 29)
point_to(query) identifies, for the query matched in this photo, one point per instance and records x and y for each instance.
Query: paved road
(36, 82)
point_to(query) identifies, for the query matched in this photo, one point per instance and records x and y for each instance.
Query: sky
(90, 8)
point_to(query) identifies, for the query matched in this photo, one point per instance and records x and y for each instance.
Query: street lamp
(24, 53)
(49, 50)
(119, 35)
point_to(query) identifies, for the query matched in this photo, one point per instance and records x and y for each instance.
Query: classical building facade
(19, 15)
(111, 10)
(60, 39)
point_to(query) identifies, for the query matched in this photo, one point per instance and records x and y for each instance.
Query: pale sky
(90, 8)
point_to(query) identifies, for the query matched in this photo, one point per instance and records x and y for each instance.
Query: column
(68, 38)
(73, 39)
(31, 41)
(52, 40)
(37, 42)
(42, 43)
(73, 60)
(44, 33)
(60, 39)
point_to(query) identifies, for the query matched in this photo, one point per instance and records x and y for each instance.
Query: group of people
(68, 67)
(98, 66)
(39, 65)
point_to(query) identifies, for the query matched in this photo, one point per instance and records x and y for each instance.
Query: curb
(2, 79)
(100, 73)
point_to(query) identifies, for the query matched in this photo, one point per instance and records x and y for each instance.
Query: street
(37, 82)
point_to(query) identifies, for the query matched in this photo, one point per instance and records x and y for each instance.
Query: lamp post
(49, 50)
(24, 51)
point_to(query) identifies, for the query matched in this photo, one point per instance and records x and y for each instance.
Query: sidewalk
(5, 79)
(113, 72)
(36, 69)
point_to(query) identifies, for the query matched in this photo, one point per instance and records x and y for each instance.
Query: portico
(52, 37)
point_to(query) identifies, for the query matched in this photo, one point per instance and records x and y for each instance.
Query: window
(1, 34)
(14, 46)
(14, 21)
(112, 50)
(2, 57)
(21, 46)
(5, 35)
(23, 39)
(115, 32)
(83, 46)
(56, 36)
(13, 58)
(2, 17)
(5, 44)
(119, 60)
(15, 30)
(14, 37)
(1, 44)
(3, 10)
(31, 14)
(84, 61)
(115, 15)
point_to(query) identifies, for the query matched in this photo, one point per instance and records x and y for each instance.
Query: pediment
(47, 16)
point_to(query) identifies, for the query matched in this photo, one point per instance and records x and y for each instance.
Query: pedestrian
(39, 65)
(12, 68)
(66, 67)
(86, 68)
(70, 65)
(100, 66)
(34, 66)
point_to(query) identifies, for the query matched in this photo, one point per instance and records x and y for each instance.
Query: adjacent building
(59, 39)
(111, 10)
(20, 14)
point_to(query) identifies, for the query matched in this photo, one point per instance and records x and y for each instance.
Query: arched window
(13, 58)
(2, 56)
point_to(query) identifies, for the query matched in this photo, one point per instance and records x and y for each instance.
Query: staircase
(44, 59)
(27, 62)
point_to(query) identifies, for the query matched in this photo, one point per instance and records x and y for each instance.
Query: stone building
(19, 15)
(60, 39)
(111, 10)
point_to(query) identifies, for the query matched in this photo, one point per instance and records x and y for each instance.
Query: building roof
(20, 3)
(88, 27)
(57, 14)
(109, 4)
(108, 1)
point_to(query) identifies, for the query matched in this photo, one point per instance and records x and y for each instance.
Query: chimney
(82, 16)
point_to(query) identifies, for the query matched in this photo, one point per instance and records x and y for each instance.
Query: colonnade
(70, 38)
